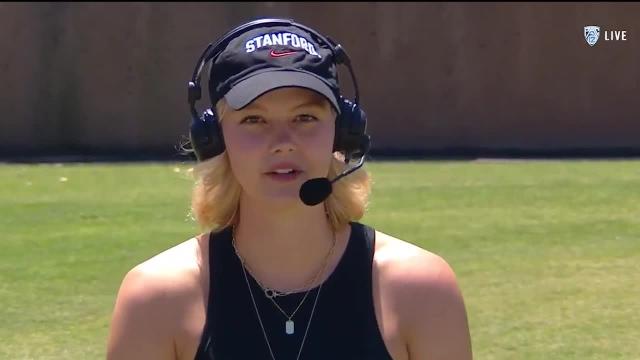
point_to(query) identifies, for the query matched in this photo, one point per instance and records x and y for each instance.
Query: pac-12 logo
(592, 34)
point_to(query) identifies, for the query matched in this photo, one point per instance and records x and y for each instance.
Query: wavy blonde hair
(216, 193)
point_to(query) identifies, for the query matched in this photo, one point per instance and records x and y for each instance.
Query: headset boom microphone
(317, 190)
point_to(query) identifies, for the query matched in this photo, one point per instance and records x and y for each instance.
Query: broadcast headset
(350, 130)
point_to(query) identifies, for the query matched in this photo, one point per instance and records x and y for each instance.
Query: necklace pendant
(289, 327)
(269, 293)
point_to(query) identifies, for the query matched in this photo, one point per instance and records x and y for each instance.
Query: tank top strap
(219, 242)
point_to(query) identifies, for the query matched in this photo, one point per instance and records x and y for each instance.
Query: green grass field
(547, 253)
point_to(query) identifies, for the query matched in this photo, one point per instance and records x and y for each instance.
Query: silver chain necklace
(262, 326)
(289, 326)
(272, 293)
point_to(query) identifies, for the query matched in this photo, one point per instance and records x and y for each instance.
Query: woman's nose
(283, 140)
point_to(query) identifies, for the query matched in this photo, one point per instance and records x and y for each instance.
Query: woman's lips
(284, 177)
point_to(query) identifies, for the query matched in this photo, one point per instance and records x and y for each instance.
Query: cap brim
(247, 90)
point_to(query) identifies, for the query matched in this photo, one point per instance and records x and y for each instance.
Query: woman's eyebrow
(311, 103)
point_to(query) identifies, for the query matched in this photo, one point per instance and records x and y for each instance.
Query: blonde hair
(216, 192)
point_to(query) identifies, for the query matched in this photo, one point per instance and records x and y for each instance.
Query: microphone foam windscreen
(315, 191)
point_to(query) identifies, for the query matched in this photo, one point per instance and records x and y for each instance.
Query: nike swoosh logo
(283, 53)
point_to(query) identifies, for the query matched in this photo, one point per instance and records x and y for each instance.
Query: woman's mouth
(284, 174)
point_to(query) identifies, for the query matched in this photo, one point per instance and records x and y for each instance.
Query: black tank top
(344, 325)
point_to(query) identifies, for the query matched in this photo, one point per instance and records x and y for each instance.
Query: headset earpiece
(206, 136)
(351, 126)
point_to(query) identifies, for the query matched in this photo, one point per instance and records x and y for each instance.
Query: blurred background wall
(474, 79)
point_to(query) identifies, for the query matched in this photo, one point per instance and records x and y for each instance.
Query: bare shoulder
(409, 265)
(429, 302)
(172, 267)
(164, 277)
(151, 302)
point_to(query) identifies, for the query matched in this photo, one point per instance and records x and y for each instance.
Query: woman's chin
(283, 197)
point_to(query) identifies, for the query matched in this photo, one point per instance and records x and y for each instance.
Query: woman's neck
(285, 248)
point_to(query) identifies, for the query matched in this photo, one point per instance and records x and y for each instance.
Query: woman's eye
(251, 120)
(306, 118)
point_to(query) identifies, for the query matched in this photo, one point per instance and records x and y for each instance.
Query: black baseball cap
(271, 57)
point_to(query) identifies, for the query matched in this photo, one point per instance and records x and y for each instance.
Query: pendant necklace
(262, 326)
(272, 293)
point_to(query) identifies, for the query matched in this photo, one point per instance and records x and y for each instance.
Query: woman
(272, 276)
